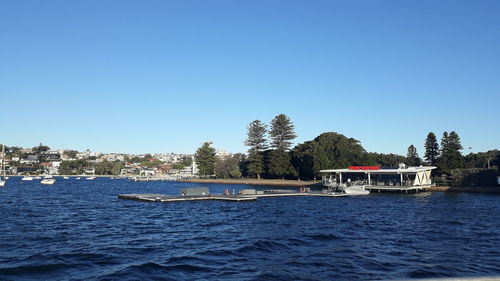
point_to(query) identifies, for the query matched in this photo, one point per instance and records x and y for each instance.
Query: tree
(205, 159)
(186, 160)
(229, 167)
(71, 153)
(451, 157)
(280, 164)
(431, 149)
(388, 160)
(282, 133)
(412, 158)
(256, 140)
(40, 148)
(136, 159)
(117, 167)
(327, 151)
(104, 168)
(72, 167)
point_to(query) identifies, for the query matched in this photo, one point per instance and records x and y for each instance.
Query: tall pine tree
(412, 158)
(282, 133)
(205, 159)
(431, 149)
(451, 157)
(256, 141)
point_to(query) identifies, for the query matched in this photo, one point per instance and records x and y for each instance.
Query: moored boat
(48, 180)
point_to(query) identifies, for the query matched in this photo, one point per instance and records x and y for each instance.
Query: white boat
(356, 190)
(78, 178)
(37, 178)
(48, 180)
(27, 178)
(3, 179)
(91, 178)
(66, 178)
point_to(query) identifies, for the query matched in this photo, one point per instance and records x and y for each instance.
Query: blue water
(79, 230)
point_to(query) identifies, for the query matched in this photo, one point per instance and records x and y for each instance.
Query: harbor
(90, 225)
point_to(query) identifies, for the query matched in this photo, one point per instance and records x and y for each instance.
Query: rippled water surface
(79, 230)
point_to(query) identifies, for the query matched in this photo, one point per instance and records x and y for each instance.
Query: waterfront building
(377, 178)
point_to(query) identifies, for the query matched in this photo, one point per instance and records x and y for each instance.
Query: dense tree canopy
(228, 167)
(73, 167)
(40, 148)
(71, 153)
(387, 160)
(104, 168)
(327, 151)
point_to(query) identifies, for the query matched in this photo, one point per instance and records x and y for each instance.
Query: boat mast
(3, 161)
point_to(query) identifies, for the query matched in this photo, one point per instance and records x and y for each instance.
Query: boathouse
(377, 178)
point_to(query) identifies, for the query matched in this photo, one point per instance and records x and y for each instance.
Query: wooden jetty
(220, 197)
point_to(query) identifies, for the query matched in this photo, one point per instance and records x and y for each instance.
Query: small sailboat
(48, 180)
(3, 179)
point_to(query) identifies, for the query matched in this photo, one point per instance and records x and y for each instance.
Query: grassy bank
(294, 183)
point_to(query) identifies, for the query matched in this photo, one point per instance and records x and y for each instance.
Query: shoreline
(268, 182)
(296, 183)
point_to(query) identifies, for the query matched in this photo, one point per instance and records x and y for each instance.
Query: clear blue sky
(164, 76)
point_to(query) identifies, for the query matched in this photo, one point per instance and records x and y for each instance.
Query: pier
(221, 197)
(167, 198)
